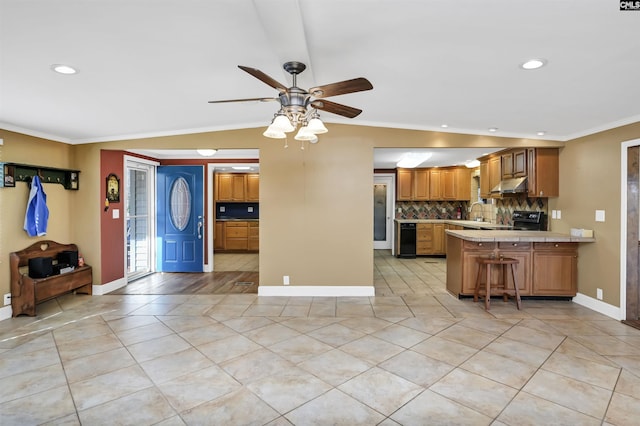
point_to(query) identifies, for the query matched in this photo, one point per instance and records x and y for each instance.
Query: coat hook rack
(15, 172)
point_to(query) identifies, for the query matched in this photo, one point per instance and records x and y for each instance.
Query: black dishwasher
(407, 240)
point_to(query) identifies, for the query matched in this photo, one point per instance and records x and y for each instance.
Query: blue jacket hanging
(35, 220)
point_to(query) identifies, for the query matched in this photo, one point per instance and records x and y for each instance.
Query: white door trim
(389, 179)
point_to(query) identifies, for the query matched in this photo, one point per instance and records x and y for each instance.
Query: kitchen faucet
(476, 217)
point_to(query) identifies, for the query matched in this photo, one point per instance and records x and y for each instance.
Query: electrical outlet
(599, 293)
(599, 215)
(444, 210)
(7, 299)
(285, 279)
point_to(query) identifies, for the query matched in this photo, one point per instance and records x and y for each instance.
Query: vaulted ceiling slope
(148, 68)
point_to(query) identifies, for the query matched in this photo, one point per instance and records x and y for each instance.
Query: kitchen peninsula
(548, 261)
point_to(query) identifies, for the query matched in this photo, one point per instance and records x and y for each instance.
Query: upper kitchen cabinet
(490, 175)
(543, 172)
(236, 187)
(434, 184)
(539, 165)
(514, 163)
(413, 184)
(404, 190)
(253, 187)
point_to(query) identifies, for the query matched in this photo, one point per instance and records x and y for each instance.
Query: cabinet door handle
(556, 245)
(479, 244)
(515, 244)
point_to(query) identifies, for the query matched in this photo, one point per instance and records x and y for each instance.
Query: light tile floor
(413, 355)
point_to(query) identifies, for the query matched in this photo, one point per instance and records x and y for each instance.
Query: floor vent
(246, 283)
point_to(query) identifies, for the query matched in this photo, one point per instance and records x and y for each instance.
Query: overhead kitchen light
(63, 69)
(493, 129)
(206, 152)
(533, 64)
(541, 133)
(472, 164)
(413, 159)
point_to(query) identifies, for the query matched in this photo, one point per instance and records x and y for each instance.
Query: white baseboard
(5, 312)
(598, 306)
(99, 290)
(317, 291)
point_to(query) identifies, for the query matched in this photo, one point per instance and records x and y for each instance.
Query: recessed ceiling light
(541, 133)
(444, 126)
(493, 129)
(533, 64)
(63, 69)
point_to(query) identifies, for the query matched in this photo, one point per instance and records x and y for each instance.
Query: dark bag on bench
(40, 267)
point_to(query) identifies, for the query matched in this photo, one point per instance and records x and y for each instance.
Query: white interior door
(383, 207)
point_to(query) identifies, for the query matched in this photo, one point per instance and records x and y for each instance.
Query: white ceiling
(148, 67)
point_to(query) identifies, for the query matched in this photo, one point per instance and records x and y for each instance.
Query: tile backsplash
(497, 210)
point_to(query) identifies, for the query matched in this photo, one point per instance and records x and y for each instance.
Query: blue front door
(180, 221)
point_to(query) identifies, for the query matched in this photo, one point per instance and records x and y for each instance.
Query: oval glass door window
(180, 201)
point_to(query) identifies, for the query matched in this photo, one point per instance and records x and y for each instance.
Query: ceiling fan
(299, 106)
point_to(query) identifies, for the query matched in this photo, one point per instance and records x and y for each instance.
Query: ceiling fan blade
(244, 100)
(336, 108)
(340, 88)
(263, 77)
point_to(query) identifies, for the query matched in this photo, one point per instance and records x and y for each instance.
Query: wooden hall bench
(26, 292)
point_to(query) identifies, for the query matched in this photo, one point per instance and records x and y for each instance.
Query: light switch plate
(115, 213)
(558, 214)
(222, 209)
(554, 214)
(599, 215)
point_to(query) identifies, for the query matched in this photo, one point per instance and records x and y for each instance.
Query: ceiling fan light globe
(316, 126)
(304, 134)
(282, 123)
(314, 139)
(274, 133)
(206, 152)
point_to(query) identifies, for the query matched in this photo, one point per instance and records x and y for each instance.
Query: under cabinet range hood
(511, 186)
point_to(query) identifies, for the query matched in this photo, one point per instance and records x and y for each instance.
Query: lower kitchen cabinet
(544, 269)
(236, 236)
(555, 269)
(430, 238)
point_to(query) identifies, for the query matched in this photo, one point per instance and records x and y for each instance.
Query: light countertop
(517, 236)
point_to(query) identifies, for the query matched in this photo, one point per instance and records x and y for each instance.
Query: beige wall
(589, 181)
(316, 204)
(23, 149)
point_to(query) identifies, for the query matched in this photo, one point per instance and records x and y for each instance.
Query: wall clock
(113, 188)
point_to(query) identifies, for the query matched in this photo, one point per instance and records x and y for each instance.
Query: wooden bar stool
(504, 263)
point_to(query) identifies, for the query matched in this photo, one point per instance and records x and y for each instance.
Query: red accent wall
(111, 230)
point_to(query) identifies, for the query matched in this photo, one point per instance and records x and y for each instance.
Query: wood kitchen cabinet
(544, 269)
(555, 269)
(430, 239)
(543, 172)
(426, 184)
(404, 190)
(522, 252)
(253, 187)
(490, 175)
(435, 185)
(514, 163)
(421, 185)
(218, 235)
(236, 236)
(237, 187)
(413, 185)
(254, 236)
